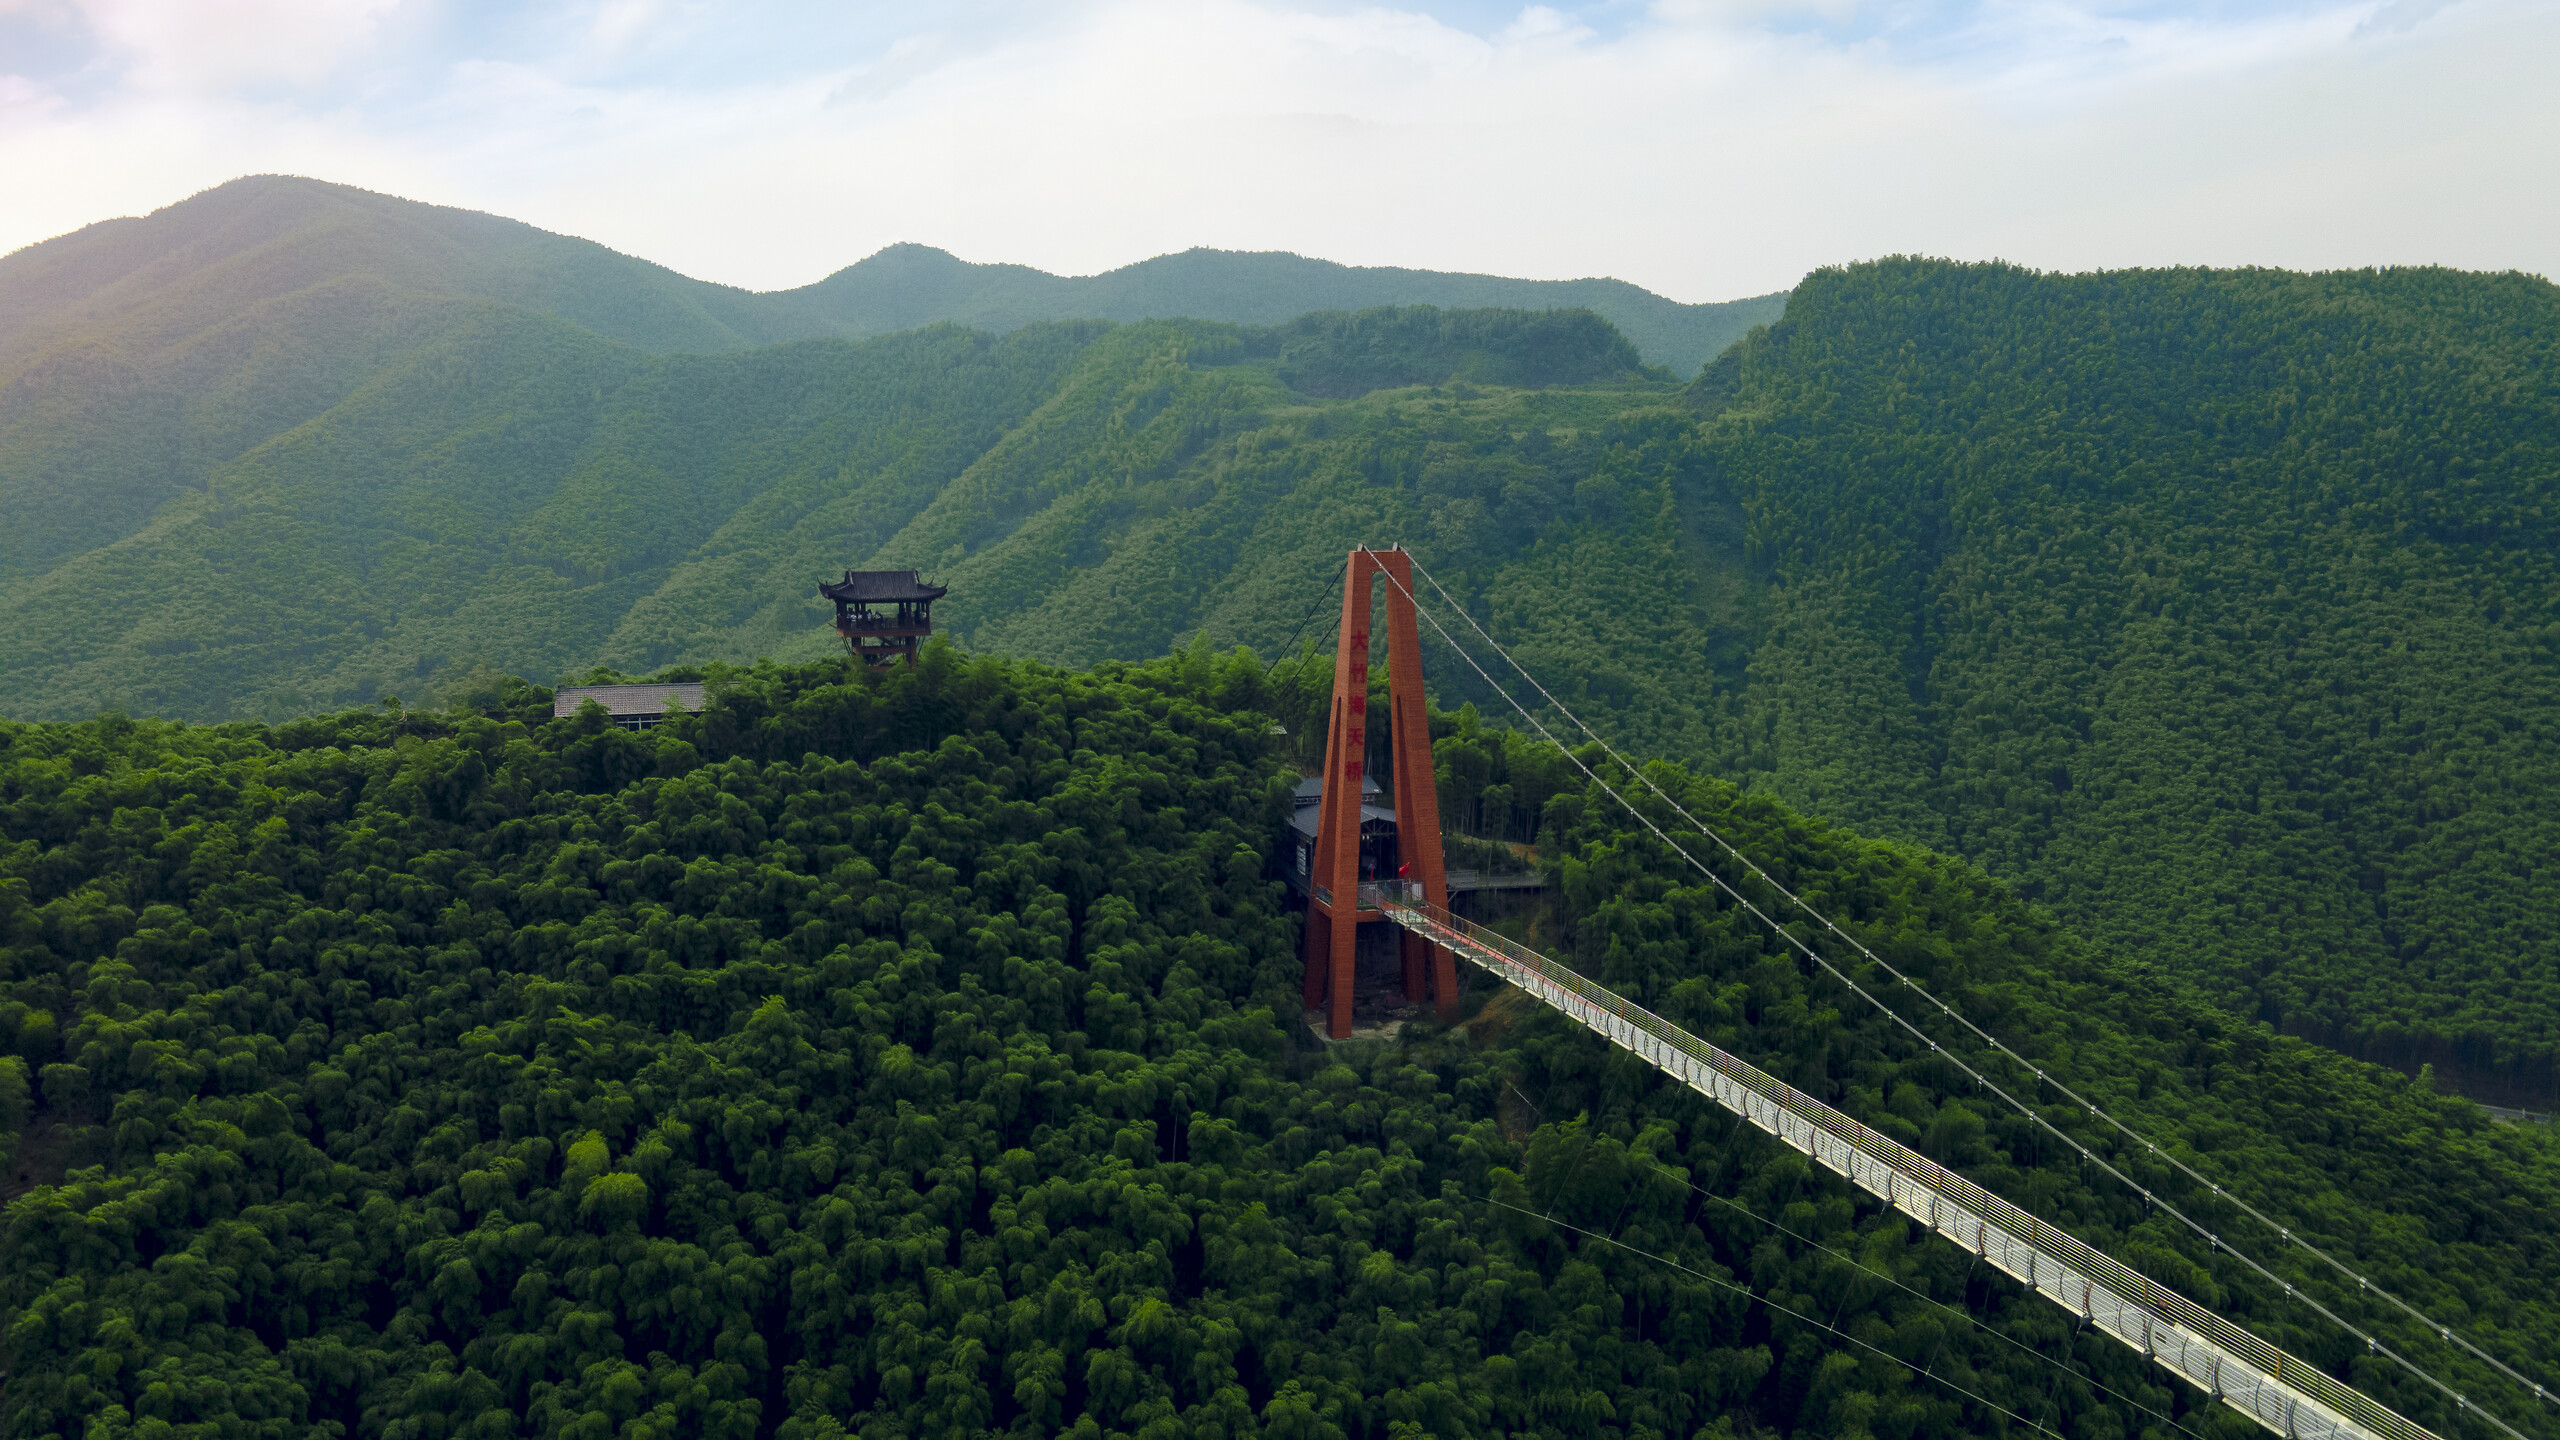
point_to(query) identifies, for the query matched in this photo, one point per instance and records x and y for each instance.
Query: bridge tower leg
(1333, 913)
(1428, 969)
(1333, 926)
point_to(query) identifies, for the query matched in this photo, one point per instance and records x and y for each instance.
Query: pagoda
(883, 615)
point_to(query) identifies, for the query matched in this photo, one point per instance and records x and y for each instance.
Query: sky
(1705, 149)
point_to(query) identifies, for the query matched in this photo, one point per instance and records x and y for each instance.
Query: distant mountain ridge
(905, 286)
(138, 355)
(265, 236)
(145, 283)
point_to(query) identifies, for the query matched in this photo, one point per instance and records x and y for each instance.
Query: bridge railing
(2277, 1389)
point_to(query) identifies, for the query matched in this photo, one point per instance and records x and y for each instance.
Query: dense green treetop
(1338, 355)
(915, 1054)
(2218, 607)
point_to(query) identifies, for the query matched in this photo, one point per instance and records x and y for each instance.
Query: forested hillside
(913, 1054)
(2214, 609)
(906, 286)
(132, 289)
(140, 357)
(521, 496)
(2220, 609)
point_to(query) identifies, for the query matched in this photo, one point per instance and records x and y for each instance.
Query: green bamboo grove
(917, 1055)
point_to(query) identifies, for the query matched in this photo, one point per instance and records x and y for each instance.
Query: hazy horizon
(1702, 149)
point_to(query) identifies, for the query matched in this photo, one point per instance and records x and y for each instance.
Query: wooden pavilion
(883, 615)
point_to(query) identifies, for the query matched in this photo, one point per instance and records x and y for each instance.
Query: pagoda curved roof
(880, 585)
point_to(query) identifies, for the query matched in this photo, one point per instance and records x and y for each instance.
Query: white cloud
(1542, 22)
(1703, 150)
(206, 47)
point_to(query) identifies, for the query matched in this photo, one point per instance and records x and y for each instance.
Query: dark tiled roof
(880, 585)
(1311, 789)
(620, 700)
(1304, 821)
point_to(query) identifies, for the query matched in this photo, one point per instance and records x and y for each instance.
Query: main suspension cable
(1321, 593)
(1980, 1079)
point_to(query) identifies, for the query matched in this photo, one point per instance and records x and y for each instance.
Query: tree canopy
(917, 1054)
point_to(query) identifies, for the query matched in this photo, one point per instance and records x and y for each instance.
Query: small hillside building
(1377, 833)
(633, 707)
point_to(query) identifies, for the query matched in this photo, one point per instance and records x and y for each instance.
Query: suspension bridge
(2218, 1357)
(1349, 886)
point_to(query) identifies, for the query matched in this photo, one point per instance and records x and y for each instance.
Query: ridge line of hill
(270, 228)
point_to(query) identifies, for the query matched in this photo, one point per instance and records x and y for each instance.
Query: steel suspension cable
(1301, 630)
(2372, 1343)
(2283, 1232)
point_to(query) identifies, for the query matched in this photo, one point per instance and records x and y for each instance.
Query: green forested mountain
(520, 495)
(506, 496)
(2213, 609)
(139, 356)
(913, 1055)
(279, 253)
(140, 285)
(142, 354)
(906, 286)
(2220, 609)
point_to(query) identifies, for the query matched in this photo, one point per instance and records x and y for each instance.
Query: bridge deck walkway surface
(2278, 1390)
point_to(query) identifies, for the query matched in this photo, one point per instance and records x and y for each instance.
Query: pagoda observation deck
(883, 615)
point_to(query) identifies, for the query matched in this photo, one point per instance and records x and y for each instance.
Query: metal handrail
(1363, 898)
(2277, 1389)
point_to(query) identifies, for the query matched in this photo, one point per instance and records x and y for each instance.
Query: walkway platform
(2287, 1395)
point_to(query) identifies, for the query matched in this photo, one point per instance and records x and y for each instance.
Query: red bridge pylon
(1334, 909)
